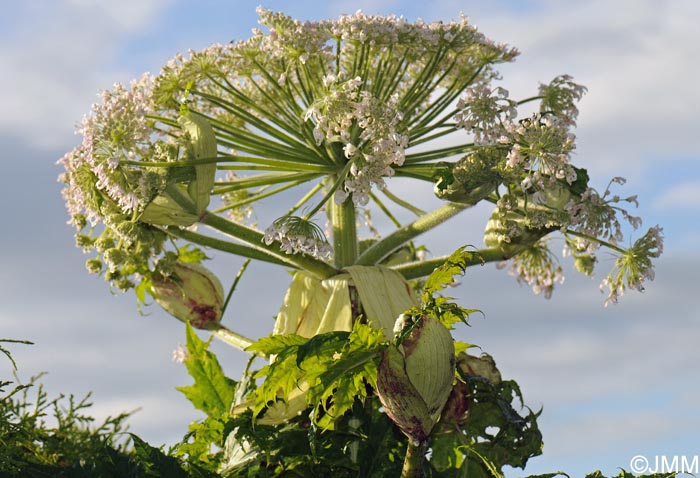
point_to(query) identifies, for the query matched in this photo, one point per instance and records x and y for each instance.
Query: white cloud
(681, 196)
(62, 54)
(126, 15)
(369, 7)
(152, 414)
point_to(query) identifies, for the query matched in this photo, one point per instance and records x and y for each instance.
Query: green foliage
(493, 434)
(359, 441)
(202, 444)
(370, 447)
(626, 474)
(190, 255)
(442, 308)
(7, 352)
(333, 369)
(32, 447)
(49, 438)
(444, 275)
(212, 392)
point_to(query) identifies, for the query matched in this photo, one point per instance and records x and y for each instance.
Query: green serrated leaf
(365, 337)
(188, 254)
(197, 444)
(281, 377)
(462, 346)
(581, 184)
(446, 454)
(275, 344)
(344, 383)
(444, 275)
(212, 392)
(322, 345)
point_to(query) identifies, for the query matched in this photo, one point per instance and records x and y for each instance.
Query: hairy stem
(413, 462)
(345, 246)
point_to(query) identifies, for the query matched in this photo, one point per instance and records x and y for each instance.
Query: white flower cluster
(543, 147)
(289, 38)
(117, 129)
(634, 266)
(538, 268)
(559, 99)
(595, 215)
(485, 112)
(297, 235)
(366, 127)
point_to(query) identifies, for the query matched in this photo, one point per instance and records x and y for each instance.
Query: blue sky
(614, 382)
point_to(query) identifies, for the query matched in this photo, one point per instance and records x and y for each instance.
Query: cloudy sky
(614, 382)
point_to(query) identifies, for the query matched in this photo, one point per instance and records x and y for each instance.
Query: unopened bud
(191, 294)
(584, 263)
(414, 383)
(94, 266)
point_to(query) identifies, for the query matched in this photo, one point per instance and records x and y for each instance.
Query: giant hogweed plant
(363, 376)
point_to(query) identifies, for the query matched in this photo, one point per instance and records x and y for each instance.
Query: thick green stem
(413, 462)
(345, 245)
(414, 270)
(393, 241)
(230, 337)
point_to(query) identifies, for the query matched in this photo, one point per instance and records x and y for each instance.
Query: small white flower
(349, 150)
(514, 157)
(180, 354)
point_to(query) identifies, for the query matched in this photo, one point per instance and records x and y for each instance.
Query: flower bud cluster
(472, 178)
(596, 215)
(587, 219)
(117, 129)
(559, 99)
